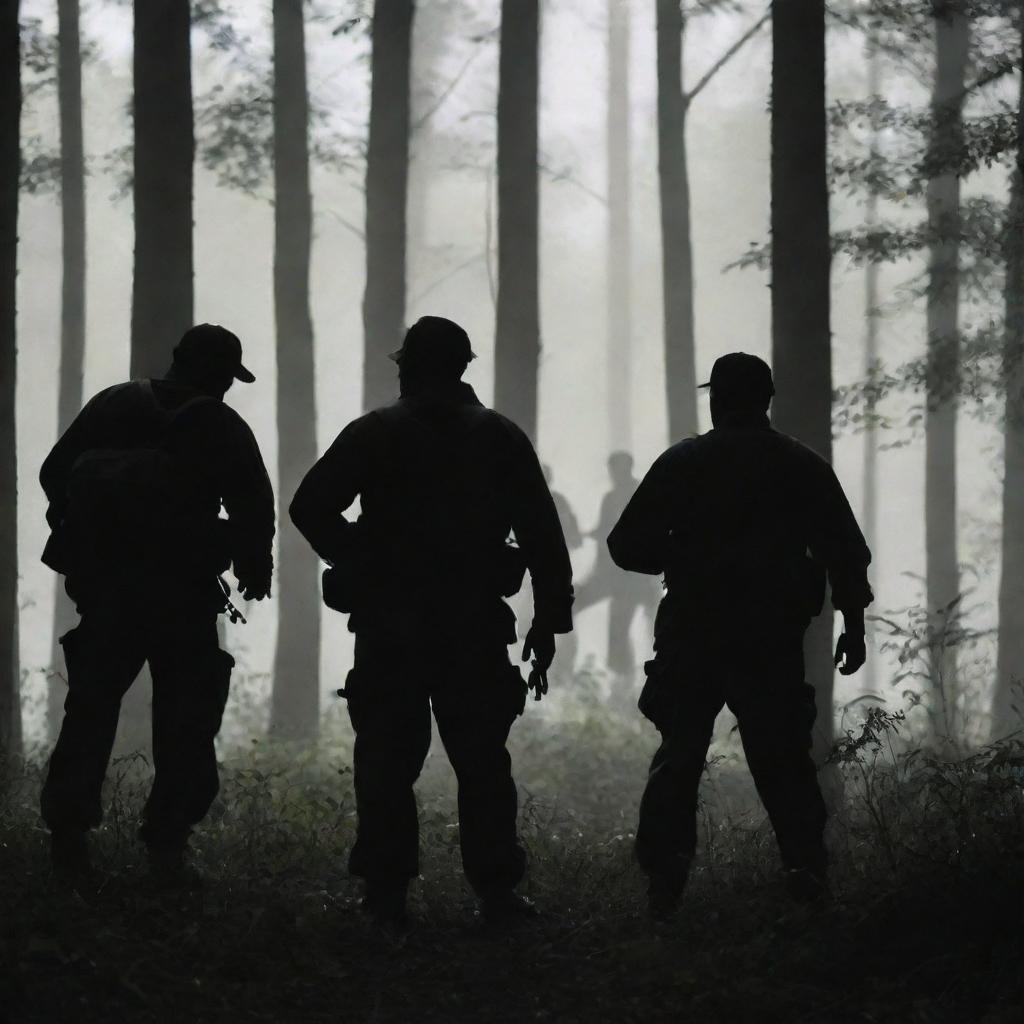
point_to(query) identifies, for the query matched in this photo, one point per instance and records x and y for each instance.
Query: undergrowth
(925, 924)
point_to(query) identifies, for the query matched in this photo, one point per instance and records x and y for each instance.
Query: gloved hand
(850, 653)
(254, 589)
(540, 643)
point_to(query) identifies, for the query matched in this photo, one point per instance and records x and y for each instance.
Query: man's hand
(850, 653)
(254, 590)
(539, 643)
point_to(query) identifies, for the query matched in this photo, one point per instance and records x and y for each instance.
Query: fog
(452, 177)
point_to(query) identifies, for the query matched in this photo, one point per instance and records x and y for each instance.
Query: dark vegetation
(925, 923)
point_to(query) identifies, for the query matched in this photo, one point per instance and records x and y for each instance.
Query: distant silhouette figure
(626, 594)
(442, 482)
(135, 487)
(744, 522)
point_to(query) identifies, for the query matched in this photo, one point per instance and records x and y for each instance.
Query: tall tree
(871, 352)
(295, 704)
(674, 185)
(387, 179)
(943, 347)
(517, 333)
(10, 174)
(801, 269)
(620, 242)
(72, 313)
(162, 298)
(1010, 667)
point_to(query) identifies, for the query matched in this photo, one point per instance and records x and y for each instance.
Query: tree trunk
(517, 336)
(943, 200)
(869, 522)
(162, 189)
(676, 241)
(387, 176)
(1008, 703)
(295, 705)
(72, 319)
(620, 240)
(10, 170)
(801, 266)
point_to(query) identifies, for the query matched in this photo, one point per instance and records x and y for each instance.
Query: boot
(664, 894)
(170, 868)
(384, 904)
(503, 906)
(69, 856)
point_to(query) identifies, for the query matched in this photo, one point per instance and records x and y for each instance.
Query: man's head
(740, 384)
(434, 349)
(620, 468)
(210, 358)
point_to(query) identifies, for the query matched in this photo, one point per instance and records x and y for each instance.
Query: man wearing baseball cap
(135, 487)
(442, 483)
(744, 523)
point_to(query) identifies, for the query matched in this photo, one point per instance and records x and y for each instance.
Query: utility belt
(348, 586)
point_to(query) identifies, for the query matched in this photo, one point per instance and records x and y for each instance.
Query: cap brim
(244, 375)
(395, 356)
(705, 385)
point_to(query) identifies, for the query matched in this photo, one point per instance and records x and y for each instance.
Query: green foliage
(923, 925)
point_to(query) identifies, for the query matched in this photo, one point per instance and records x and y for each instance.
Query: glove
(540, 643)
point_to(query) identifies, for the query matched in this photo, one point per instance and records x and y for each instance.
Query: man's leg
(103, 655)
(776, 717)
(191, 676)
(390, 713)
(474, 714)
(666, 836)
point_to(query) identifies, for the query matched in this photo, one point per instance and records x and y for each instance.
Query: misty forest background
(608, 194)
(590, 188)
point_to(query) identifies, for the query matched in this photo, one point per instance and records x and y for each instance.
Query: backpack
(142, 511)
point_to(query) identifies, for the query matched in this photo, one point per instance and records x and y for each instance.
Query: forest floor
(926, 922)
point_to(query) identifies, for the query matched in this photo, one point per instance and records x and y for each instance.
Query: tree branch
(727, 56)
(444, 94)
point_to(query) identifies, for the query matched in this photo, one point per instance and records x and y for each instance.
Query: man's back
(730, 518)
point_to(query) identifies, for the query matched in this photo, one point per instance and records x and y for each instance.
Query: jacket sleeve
(328, 490)
(248, 499)
(80, 437)
(837, 542)
(538, 532)
(639, 541)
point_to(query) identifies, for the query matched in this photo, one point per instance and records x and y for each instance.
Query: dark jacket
(215, 442)
(730, 518)
(441, 481)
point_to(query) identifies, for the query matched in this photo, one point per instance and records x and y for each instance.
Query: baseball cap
(738, 375)
(212, 347)
(434, 341)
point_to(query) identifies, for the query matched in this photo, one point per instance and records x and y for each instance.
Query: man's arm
(248, 499)
(639, 541)
(331, 486)
(837, 542)
(538, 532)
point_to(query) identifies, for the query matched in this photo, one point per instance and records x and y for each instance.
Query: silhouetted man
(442, 481)
(744, 522)
(625, 594)
(135, 487)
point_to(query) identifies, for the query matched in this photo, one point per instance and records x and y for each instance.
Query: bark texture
(676, 241)
(387, 181)
(162, 189)
(10, 171)
(1008, 703)
(517, 335)
(943, 201)
(801, 271)
(620, 240)
(295, 704)
(72, 313)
